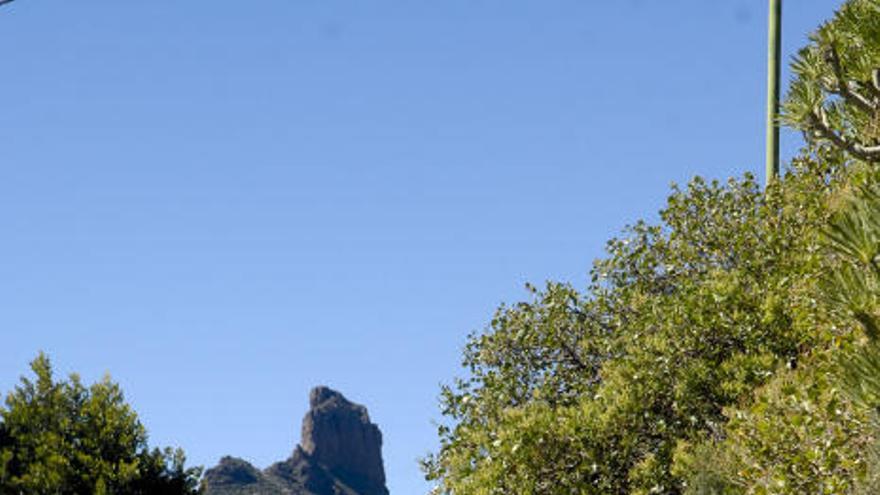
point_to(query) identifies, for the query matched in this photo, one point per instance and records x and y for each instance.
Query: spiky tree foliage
(835, 95)
(854, 289)
(854, 236)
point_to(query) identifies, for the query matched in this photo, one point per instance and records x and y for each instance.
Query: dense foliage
(815, 430)
(61, 437)
(572, 393)
(709, 352)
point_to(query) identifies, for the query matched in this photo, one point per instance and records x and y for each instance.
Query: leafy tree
(835, 96)
(164, 472)
(704, 355)
(814, 430)
(598, 392)
(799, 435)
(61, 437)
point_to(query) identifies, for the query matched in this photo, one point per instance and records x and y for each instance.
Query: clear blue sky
(224, 203)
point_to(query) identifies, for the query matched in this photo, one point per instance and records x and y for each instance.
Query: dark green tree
(61, 437)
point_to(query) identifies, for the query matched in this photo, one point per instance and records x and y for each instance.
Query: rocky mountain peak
(322, 394)
(340, 453)
(338, 434)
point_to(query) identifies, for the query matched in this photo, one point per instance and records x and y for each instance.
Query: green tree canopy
(61, 437)
(596, 392)
(704, 354)
(814, 429)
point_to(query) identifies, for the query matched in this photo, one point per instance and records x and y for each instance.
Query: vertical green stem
(774, 54)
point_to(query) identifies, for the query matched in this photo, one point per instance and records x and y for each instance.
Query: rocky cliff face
(340, 453)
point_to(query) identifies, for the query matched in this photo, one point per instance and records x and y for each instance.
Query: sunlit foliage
(61, 437)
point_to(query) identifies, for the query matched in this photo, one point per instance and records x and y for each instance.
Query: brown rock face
(340, 454)
(338, 434)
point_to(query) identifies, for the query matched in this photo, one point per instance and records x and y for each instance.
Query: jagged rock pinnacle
(340, 453)
(338, 434)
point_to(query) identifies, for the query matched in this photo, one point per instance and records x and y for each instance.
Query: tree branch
(858, 150)
(847, 89)
(872, 88)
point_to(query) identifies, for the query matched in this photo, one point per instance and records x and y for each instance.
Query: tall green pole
(774, 54)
